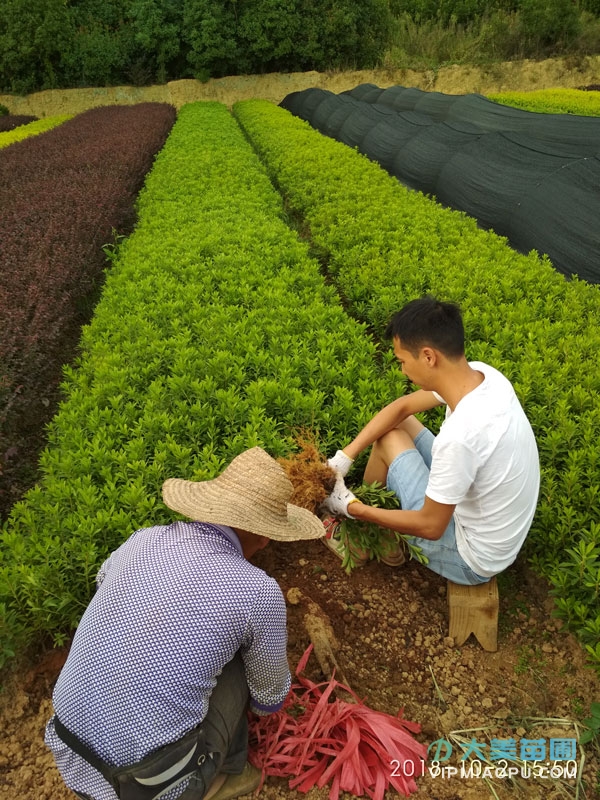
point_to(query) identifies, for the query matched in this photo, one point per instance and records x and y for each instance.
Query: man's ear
(429, 356)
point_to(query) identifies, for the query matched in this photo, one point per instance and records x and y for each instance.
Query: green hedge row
(385, 245)
(553, 101)
(215, 332)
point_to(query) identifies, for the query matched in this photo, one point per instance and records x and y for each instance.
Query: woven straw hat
(252, 493)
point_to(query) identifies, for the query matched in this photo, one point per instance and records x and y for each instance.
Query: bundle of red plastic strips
(317, 739)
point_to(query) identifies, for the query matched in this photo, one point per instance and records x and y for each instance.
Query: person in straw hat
(183, 635)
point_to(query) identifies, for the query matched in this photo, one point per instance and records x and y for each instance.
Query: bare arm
(390, 417)
(429, 522)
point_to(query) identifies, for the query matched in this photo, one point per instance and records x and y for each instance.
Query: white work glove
(341, 463)
(340, 498)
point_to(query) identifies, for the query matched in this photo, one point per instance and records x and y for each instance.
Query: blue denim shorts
(408, 476)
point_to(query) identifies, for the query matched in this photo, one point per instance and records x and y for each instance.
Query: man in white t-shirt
(468, 496)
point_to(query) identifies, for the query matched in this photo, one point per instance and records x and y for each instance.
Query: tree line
(69, 43)
(73, 43)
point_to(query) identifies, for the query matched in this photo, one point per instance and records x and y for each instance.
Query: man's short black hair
(429, 322)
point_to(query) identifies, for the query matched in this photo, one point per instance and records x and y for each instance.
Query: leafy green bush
(553, 101)
(98, 55)
(499, 38)
(445, 11)
(545, 24)
(385, 245)
(3, 110)
(429, 42)
(499, 32)
(156, 31)
(215, 332)
(591, 6)
(264, 35)
(33, 37)
(588, 41)
(50, 43)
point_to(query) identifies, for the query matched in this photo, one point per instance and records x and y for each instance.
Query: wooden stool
(474, 609)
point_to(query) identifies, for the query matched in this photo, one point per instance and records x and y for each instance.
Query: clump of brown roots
(310, 475)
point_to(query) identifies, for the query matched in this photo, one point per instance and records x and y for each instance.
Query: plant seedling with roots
(313, 479)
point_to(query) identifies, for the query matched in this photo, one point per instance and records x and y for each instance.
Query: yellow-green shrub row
(33, 129)
(215, 332)
(553, 101)
(385, 245)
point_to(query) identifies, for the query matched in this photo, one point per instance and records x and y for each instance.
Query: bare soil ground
(392, 625)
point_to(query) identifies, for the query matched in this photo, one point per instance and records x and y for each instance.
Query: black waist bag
(149, 779)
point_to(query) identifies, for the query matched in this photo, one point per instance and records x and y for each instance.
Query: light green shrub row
(385, 245)
(215, 332)
(32, 129)
(553, 101)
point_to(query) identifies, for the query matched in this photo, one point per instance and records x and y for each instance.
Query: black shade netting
(534, 178)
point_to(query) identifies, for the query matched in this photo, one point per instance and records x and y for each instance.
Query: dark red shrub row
(9, 123)
(63, 195)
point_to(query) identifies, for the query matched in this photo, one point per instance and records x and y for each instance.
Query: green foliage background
(74, 43)
(53, 43)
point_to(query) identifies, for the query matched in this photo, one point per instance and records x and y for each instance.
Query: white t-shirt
(485, 461)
